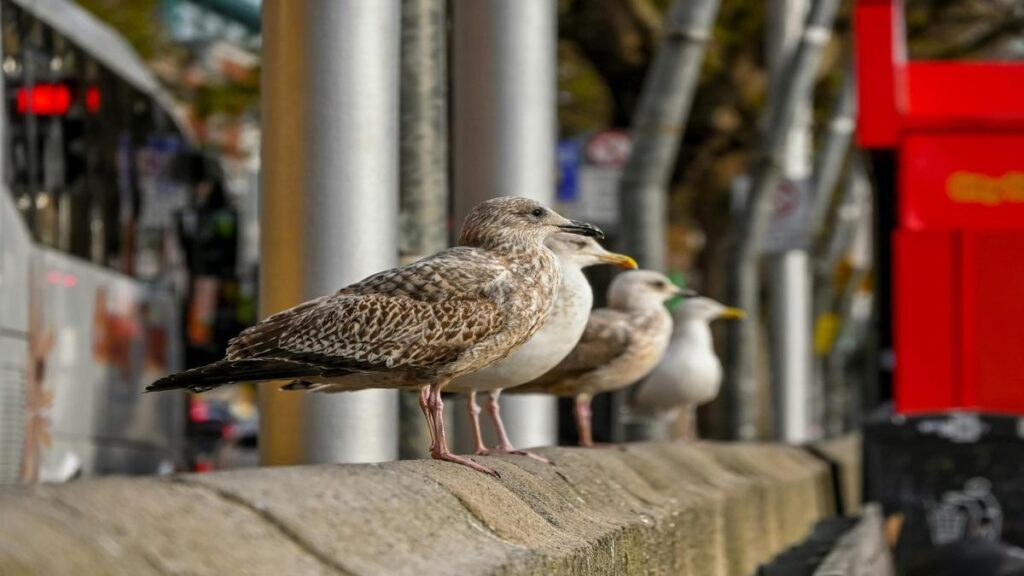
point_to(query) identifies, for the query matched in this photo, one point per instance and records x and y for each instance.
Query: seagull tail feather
(305, 385)
(231, 371)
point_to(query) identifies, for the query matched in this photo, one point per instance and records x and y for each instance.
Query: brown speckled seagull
(423, 324)
(620, 345)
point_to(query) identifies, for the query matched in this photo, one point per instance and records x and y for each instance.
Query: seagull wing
(607, 336)
(416, 317)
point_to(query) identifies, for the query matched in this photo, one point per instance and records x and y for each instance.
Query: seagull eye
(538, 212)
(658, 285)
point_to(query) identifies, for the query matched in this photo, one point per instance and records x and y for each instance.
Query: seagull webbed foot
(528, 454)
(449, 457)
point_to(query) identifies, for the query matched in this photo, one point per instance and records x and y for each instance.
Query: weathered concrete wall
(698, 509)
(847, 452)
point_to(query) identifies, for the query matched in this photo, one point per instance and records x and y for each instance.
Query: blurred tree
(140, 23)
(584, 98)
(965, 28)
(232, 98)
(136, 20)
(619, 38)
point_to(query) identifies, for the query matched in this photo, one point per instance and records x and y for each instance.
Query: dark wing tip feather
(230, 371)
(298, 385)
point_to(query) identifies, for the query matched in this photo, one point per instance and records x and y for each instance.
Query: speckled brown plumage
(616, 349)
(424, 320)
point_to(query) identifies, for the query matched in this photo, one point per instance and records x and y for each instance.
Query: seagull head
(511, 222)
(639, 289)
(581, 251)
(705, 309)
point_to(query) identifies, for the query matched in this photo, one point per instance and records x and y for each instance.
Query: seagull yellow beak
(620, 260)
(733, 314)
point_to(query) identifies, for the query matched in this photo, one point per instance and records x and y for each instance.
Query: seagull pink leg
(581, 410)
(439, 451)
(504, 444)
(474, 422)
(690, 413)
(425, 407)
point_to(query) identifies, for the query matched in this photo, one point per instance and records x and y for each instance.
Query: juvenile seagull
(423, 324)
(690, 374)
(620, 345)
(553, 342)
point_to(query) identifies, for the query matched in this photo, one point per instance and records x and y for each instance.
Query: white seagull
(690, 373)
(553, 342)
(621, 344)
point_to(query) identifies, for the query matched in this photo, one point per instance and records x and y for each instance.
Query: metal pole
(345, 155)
(424, 166)
(790, 289)
(848, 244)
(829, 163)
(792, 364)
(796, 81)
(658, 128)
(504, 78)
(827, 170)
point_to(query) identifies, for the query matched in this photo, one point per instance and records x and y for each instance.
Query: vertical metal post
(744, 283)
(504, 113)
(828, 168)
(790, 289)
(424, 165)
(828, 165)
(792, 364)
(424, 129)
(337, 185)
(658, 128)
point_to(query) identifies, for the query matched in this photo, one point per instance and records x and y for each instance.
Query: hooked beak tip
(582, 229)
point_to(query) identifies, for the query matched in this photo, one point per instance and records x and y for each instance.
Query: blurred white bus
(88, 315)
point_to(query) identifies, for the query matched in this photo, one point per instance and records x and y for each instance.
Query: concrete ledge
(846, 452)
(698, 509)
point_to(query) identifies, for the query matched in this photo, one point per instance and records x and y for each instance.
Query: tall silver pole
(351, 161)
(340, 143)
(828, 168)
(658, 128)
(504, 79)
(424, 166)
(424, 129)
(744, 282)
(828, 165)
(790, 288)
